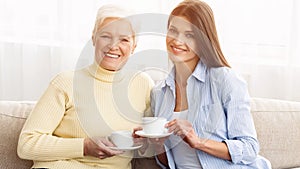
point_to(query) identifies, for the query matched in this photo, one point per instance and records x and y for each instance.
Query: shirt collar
(199, 73)
(170, 80)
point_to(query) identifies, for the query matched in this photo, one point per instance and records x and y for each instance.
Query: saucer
(126, 148)
(143, 134)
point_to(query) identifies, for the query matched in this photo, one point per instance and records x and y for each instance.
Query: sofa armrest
(12, 117)
(277, 124)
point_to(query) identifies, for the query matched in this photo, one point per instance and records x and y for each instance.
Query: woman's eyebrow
(103, 32)
(189, 31)
(171, 26)
(126, 36)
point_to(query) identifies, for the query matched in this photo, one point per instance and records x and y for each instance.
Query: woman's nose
(114, 44)
(179, 39)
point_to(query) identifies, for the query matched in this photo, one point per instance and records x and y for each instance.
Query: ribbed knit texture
(91, 102)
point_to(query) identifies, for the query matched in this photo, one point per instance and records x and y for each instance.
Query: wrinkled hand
(140, 140)
(185, 130)
(98, 147)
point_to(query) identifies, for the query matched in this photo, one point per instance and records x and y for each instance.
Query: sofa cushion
(278, 130)
(12, 117)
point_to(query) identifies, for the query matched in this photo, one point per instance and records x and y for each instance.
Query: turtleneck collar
(105, 75)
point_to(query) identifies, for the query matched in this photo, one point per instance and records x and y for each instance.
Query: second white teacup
(122, 138)
(154, 125)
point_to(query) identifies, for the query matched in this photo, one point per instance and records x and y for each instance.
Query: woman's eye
(189, 35)
(105, 37)
(172, 31)
(125, 40)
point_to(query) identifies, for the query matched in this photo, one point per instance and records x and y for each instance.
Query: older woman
(69, 126)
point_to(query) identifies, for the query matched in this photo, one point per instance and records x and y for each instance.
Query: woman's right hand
(158, 143)
(99, 147)
(140, 140)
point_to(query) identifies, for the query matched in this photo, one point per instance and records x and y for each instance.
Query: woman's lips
(112, 55)
(178, 50)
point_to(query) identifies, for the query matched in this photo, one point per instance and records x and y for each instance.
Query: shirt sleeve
(36, 141)
(242, 140)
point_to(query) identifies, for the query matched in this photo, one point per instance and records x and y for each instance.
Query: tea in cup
(154, 125)
(122, 138)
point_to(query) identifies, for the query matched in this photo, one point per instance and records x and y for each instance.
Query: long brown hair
(201, 16)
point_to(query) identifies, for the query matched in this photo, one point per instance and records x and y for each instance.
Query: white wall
(39, 39)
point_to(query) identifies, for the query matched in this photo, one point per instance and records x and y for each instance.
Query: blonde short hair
(112, 11)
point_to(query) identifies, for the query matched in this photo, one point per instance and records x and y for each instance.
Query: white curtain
(40, 38)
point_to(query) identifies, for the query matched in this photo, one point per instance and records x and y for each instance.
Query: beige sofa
(277, 123)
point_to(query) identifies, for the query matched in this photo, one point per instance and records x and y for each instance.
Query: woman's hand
(158, 144)
(184, 129)
(99, 147)
(138, 140)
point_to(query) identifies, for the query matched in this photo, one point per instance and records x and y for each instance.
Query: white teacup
(154, 125)
(122, 138)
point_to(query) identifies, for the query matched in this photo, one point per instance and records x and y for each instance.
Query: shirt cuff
(235, 148)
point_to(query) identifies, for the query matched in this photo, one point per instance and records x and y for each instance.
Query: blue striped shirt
(219, 109)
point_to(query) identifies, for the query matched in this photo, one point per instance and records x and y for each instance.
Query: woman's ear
(93, 39)
(133, 48)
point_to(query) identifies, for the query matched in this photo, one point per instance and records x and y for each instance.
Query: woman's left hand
(99, 147)
(184, 129)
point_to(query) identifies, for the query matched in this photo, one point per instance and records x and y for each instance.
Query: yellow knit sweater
(91, 102)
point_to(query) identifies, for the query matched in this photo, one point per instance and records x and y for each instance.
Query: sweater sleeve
(36, 141)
